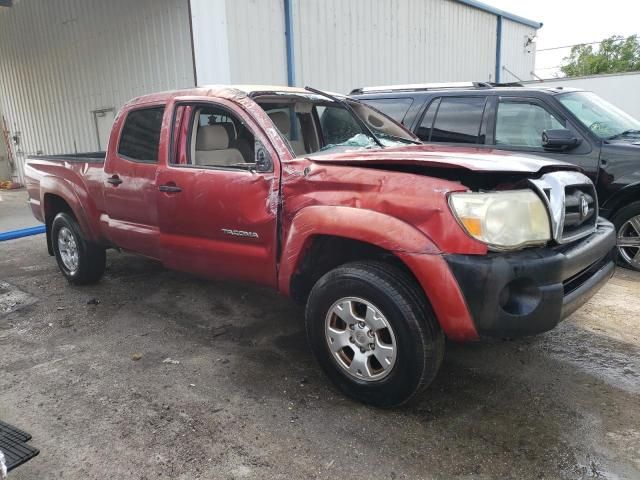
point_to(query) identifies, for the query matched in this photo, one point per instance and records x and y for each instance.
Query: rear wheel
(373, 333)
(627, 223)
(81, 261)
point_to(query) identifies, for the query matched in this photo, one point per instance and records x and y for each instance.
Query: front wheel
(79, 260)
(627, 223)
(373, 333)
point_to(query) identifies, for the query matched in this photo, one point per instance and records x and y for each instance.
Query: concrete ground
(14, 211)
(83, 369)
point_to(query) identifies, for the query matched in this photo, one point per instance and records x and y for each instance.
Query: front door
(519, 124)
(130, 189)
(217, 217)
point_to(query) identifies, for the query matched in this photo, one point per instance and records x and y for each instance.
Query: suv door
(518, 126)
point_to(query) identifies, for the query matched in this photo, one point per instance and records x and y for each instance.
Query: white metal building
(67, 66)
(621, 89)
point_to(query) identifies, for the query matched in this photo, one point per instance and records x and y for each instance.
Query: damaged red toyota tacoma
(393, 246)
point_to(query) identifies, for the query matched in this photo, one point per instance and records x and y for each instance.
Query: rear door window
(395, 108)
(457, 120)
(140, 138)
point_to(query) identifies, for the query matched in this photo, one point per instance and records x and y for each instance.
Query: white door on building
(103, 120)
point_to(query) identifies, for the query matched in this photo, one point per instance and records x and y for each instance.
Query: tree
(615, 54)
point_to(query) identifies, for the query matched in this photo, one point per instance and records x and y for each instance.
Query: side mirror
(263, 159)
(559, 140)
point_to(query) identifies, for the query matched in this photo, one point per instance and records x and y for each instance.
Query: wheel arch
(322, 238)
(59, 196)
(623, 197)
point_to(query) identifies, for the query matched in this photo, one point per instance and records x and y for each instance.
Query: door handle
(169, 188)
(114, 180)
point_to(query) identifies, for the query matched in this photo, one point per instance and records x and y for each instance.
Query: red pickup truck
(392, 245)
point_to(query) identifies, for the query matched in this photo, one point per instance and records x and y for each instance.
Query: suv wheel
(373, 333)
(81, 261)
(627, 223)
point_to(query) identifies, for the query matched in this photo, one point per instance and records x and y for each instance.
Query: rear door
(130, 191)
(217, 215)
(454, 120)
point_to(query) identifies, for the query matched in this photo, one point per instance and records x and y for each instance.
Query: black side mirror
(559, 140)
(263, 159)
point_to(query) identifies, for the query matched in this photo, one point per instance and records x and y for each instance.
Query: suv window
(457, 120)
(520, 124)
(395, 108)
(140, 136)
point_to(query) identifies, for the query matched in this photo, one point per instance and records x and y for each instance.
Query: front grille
(580, 211)
(572, 203)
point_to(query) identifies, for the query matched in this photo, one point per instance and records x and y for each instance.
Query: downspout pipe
(288, 34)
(23, 232)
(498, 48)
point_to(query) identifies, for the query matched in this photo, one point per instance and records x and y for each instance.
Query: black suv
(566, 124)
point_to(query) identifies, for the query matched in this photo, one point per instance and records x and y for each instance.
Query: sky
(567, 22)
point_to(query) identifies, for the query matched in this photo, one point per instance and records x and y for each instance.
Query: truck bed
(80, 175)
(92, 157)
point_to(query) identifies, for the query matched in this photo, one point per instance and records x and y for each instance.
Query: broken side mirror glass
(262, 158)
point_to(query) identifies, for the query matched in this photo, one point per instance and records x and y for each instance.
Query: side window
(520, 124)
(458, 120)
(140, 138)
(395, 108)
(424, 130)
(212, 137)
(295, 122)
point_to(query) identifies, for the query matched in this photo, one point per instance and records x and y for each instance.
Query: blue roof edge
(501, 13)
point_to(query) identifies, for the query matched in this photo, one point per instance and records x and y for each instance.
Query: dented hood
(438, 156)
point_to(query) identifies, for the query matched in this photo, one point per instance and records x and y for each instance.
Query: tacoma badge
(239, 233)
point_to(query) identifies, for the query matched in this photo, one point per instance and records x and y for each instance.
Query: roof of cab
(218, 90)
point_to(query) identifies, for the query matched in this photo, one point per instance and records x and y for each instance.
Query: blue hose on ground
(23, 232)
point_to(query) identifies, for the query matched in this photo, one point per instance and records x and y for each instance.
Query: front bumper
(531, 291)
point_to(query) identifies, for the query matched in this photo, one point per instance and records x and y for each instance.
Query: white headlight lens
(503, 220)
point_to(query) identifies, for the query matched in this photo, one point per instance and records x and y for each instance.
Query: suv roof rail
(507, 84)
(420, 86)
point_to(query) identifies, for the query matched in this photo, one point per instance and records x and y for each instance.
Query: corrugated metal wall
(62, 59)
(341, 44)
(516, 57)
(256, 41)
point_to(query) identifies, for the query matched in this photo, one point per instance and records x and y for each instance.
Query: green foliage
(615, 54)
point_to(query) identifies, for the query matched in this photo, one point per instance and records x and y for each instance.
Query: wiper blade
(624, 134)
(350, 109)
(401, 139)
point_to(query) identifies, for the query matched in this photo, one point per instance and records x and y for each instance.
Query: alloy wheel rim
(360, 339)
(629, 241)
(68, 249)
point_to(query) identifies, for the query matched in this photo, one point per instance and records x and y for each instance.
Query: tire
(377, 289)
(90, 259)
(627, 223)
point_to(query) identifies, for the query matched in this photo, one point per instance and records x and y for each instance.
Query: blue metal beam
(501, 13)
(498, 49)
(288, 33)
(23, 232)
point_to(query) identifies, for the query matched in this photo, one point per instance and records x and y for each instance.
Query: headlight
(503, 220)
